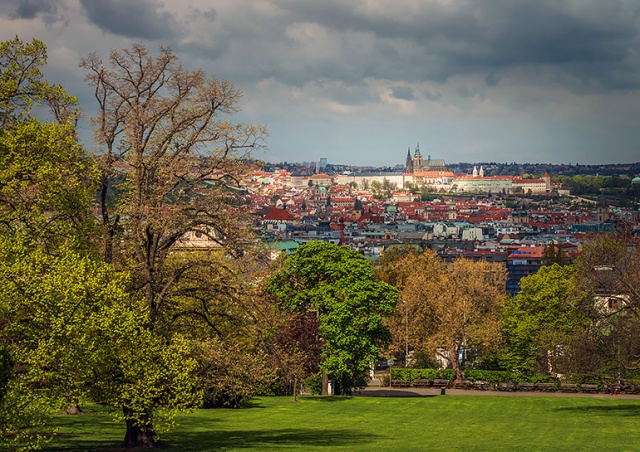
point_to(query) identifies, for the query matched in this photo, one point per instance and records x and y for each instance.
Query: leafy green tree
(338, 286)
(66, 324)
(540, 322)
(71, 330)
(554, 254)
(46, 179)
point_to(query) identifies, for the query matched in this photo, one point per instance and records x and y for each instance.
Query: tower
(417, 159)
(409, 163)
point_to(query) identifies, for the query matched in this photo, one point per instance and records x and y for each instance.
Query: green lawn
(447, 423)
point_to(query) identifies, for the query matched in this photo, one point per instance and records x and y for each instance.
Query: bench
(546, 386)
(481, 385)
(589, 388)
(630, 388)
(466, 384)
(568, 387)
(399, 383)
(507, 386)
(421, 383)
(441, 383)
(525, 386)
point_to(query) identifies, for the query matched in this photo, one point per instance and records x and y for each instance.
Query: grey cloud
(593, 39)
(133, 19)
(403, 92)
(432, 96)
(29, 9)
(492, 79)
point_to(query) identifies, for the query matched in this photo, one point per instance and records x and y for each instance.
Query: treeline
(609, 186)
(578, 319)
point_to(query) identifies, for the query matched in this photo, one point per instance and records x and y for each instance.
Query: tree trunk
(295, 389)
(73, 409)
(456, 366)
(325, 383)
(139, 434)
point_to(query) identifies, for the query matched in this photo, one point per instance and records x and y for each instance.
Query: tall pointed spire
(409, 163)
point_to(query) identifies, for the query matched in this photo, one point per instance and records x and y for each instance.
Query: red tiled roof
(278, 215)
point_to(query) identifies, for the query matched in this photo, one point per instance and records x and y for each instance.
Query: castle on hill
(416, 164)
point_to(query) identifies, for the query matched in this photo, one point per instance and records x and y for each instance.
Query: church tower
(409, 164)
(417, 159)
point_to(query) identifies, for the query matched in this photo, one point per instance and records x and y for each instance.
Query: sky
(361, 81)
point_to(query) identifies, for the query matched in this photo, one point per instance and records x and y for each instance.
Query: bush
(494, 377)
(313, 383)
(228, 377)
(411, 374)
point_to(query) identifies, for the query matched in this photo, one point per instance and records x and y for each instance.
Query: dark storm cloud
(133, 19)
(29, 9)
(596, 40)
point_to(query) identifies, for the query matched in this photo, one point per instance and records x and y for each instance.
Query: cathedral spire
(409, 163)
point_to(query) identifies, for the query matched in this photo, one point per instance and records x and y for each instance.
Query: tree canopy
(448, 309)
(338, 285)
(540, 319)
(46, 178)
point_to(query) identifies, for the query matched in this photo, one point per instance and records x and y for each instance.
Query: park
(119, 330)
(386, 423)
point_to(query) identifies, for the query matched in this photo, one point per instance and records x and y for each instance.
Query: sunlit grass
(387, 424)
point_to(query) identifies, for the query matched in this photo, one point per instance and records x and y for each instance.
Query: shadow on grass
(621, 410)
(392, 393)
(257, 439)
(328, 399)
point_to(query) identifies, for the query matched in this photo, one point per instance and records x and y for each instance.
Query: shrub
(411, 374)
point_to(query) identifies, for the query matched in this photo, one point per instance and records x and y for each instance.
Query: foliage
(171, 162)
(390, 268)
(22, 84)
(492, 376)
(228, 377)
(554, 254)
(410, 374)
(608, 275)
(45, 190)
(296, 349)
(71, 330)
(447, 308)
(337, 284)
(46, 179)
(540, 318)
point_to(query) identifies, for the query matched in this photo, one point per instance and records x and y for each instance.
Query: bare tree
(171, 163)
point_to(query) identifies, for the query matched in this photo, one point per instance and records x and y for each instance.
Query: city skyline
(359, 82)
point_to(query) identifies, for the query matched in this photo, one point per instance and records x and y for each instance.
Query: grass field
(438, 423)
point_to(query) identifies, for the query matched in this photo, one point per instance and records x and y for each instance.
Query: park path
(377, 391)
